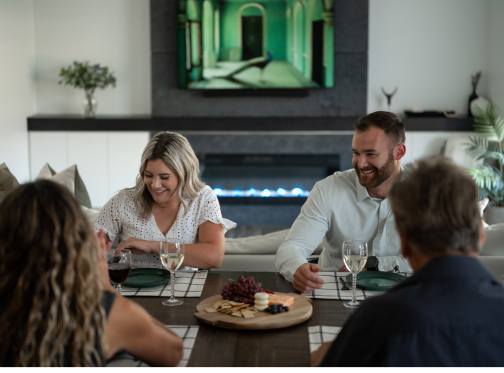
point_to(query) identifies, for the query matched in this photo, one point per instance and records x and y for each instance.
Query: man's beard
(379, 175)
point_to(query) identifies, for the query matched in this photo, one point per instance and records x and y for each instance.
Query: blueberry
(286, 309)
(273, 311)
(280, 308)
(268, 309)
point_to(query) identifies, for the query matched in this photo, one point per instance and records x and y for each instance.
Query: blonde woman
(169, 201)
(57, 307)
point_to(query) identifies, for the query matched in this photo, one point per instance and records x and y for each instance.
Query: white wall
(114, 33)
(17, 90)
(496, 53)
(429, 49)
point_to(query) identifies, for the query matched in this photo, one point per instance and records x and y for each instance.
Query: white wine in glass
(172, 256)
(355, 255)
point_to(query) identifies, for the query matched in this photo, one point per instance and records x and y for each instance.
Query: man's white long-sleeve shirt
(339, 208)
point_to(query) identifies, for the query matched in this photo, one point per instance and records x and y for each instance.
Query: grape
(258, 284)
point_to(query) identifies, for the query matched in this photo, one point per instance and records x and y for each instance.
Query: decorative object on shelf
(389, 96)
(488, 145)
(480, 101)
(474, 80)
(430, 113)
(87, 77)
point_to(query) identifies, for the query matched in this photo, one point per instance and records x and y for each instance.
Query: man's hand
(318, 355)
(137, 246)
(306, 279)
(345, 269)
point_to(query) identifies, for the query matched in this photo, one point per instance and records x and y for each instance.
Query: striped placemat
(188, 284)
(188, 334)
(332, 288)
(320, 334)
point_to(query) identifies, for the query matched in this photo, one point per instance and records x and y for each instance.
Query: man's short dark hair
(390, 123)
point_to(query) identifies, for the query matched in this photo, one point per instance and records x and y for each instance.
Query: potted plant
(489, 146)
(87, 77)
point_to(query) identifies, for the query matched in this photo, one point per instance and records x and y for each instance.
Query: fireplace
(265, 179)
(236, 162)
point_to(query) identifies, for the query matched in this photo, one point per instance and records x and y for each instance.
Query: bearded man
(350, 205)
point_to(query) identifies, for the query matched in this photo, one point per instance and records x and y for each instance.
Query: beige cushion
(494, 244)
(482, 204)
(91, 214)
(7, 181)
(260, 245)
(70, 178)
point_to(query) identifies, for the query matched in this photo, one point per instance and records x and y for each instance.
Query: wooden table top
(243, 348)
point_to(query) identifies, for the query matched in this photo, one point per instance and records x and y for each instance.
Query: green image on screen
(259, 44)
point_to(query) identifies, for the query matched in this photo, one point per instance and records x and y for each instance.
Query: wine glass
(119, 266)
(355, 256)
(172, 256)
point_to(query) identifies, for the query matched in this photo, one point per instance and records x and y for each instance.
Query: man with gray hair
(449, 313)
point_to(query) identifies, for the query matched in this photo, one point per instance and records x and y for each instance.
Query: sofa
(257, 253)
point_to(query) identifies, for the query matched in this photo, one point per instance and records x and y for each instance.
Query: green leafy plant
(84, 76)
(488, 145)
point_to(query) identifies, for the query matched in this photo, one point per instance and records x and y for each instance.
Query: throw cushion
(494, 238)
(70, 178)
(482, 204)
(260, 245)
(7, 181)
(90, 213)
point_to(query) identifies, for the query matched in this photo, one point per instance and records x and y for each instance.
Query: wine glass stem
(119, 288)
(172, 274)
(354, 286)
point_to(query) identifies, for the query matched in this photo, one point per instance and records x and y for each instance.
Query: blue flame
(266, 193)
(298, 192)
(252, 192)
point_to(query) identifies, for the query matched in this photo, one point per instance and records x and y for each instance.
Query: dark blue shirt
(449, 313)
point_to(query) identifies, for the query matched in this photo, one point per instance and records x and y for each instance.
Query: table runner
(188, 334)
(320, 334)
(332, 288)
(188, 284)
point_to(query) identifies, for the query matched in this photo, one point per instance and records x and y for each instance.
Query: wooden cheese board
(301, 310)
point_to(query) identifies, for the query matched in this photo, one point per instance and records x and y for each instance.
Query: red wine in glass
(119, 266)
(119, 272)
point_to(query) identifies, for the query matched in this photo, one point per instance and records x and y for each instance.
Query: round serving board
(301, 310)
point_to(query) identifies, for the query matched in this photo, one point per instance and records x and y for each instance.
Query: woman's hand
(138, 246)
(103, 247)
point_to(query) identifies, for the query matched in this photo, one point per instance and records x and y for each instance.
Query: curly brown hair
(49, 276)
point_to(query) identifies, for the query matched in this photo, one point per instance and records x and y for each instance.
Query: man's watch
(372, 263)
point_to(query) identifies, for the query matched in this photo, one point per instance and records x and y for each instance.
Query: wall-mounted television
(258, 44)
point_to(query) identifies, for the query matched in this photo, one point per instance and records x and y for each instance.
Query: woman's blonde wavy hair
(49, 283)
(178, 155)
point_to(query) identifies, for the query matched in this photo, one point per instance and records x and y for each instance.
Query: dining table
(218, 347)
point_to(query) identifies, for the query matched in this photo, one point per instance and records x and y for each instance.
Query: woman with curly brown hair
(57, 307)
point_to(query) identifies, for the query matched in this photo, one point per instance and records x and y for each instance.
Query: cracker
(225, 306)
(210, 310)
(217, 305)
(237, 314)
(247, 313)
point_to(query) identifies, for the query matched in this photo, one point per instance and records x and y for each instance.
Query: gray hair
(435, 203)
(177, 153)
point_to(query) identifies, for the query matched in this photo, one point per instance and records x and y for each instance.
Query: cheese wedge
(284, 300)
